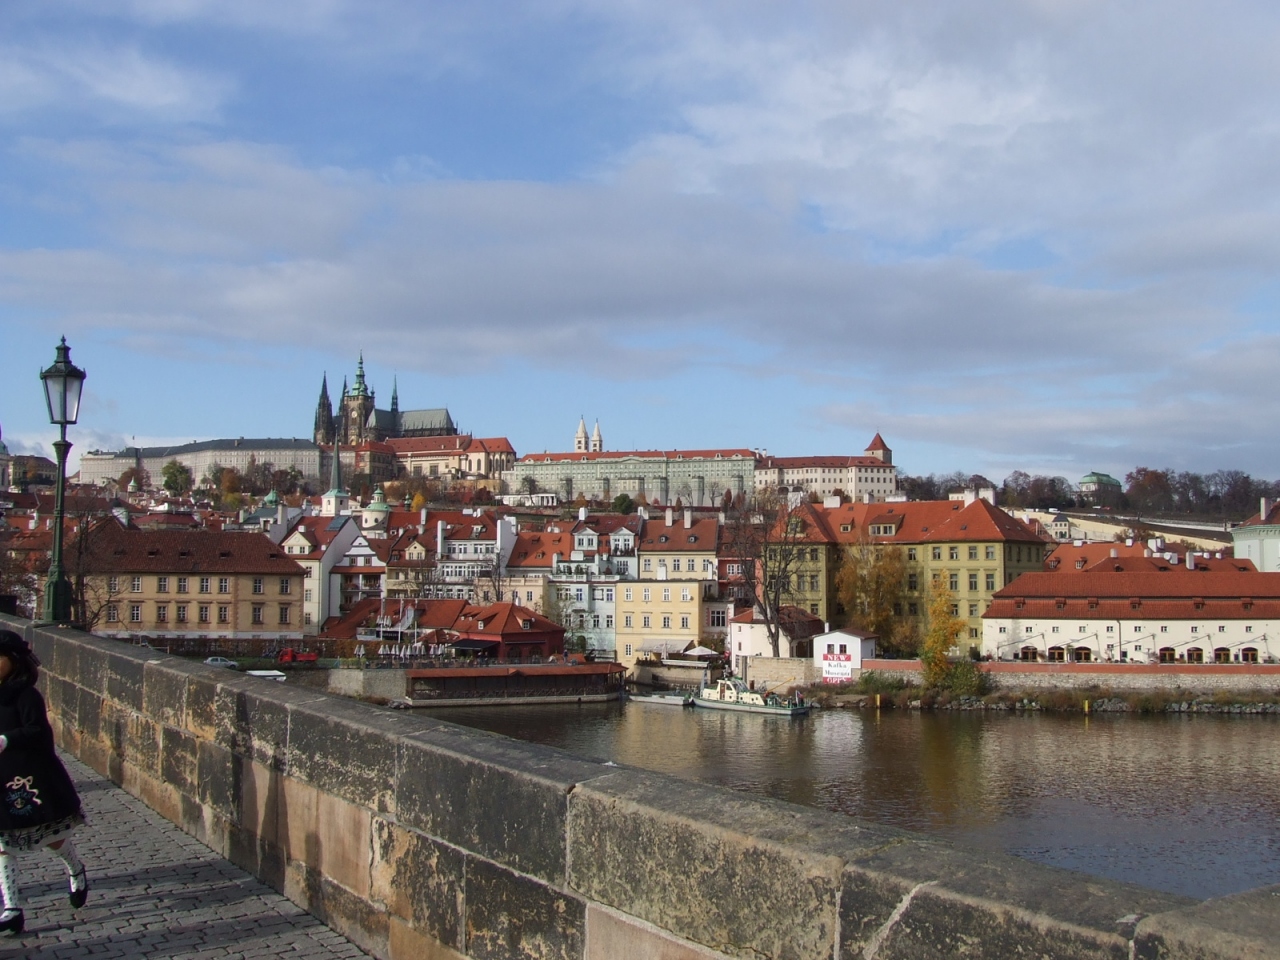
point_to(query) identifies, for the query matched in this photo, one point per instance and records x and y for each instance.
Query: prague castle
(358, 420)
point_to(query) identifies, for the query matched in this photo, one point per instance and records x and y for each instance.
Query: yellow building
(675, 602)
(971, 548)
(171, 585)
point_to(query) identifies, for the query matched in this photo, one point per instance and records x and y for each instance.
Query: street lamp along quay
(63, 383)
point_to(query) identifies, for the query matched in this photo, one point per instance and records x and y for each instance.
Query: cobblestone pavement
(155, 892)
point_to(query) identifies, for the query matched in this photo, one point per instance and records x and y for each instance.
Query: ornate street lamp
(63, 383)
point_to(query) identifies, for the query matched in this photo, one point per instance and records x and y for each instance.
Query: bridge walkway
(156, 893)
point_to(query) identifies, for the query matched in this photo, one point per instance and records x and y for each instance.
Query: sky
(1016, 234)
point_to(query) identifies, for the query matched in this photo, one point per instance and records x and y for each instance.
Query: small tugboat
(732, 694)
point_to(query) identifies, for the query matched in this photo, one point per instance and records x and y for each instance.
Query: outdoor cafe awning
(474, 644)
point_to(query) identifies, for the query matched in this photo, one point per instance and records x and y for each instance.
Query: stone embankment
(417, 838)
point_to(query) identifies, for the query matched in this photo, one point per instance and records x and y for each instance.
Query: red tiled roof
(405, 445)
(877, 443)
(927, 521)
(1178, 583)
(702, 536)
(533, 550)
(115, 549)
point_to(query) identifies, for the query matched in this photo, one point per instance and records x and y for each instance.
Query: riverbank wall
(418, 838)
(1137, 677)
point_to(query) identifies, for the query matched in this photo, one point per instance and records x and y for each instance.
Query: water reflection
(1185, 804)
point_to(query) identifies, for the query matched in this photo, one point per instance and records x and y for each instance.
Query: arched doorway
(1056, 655)
(1081, 654)
(1168, 655)
(1249, 655)
(1195, 655)
(1029, 653)
(1221, 655)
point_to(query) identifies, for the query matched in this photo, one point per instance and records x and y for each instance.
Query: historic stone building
(358, 419)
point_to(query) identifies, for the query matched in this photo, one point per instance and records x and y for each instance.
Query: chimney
(688, 518)
(1115, 552)
(440, 548)
(670, 516)
(582, 513)
(1146, 552)
(1128, 541)
(643, 512)
(1191, 560)
(282, 514)
(1263, 510)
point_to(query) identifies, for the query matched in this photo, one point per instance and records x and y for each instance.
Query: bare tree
(870, 587)
(770, 535)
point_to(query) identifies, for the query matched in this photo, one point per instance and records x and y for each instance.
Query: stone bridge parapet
(417, 838)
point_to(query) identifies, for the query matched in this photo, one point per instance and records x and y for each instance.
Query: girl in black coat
(38, 802)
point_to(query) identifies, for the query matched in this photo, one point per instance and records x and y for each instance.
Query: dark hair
(26, 665)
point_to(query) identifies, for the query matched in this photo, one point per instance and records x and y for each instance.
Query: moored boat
(732, 694)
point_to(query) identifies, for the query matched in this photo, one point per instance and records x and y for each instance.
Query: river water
(1190, 805)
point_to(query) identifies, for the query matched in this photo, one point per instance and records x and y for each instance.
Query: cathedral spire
(580, 438)
(324, 414)
(395, 399)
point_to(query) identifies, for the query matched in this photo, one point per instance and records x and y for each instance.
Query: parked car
(221, 662)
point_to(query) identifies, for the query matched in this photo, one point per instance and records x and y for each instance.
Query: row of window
(646, 594)
(204, 613)
(204, 585)
(690, 565)
(646, 621)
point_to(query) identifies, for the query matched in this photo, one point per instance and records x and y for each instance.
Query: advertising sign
(837, 667)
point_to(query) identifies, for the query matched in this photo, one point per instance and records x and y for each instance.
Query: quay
(412, 837)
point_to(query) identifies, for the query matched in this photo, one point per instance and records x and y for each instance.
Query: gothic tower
(324, 415)
(580, 438)
(597, 440)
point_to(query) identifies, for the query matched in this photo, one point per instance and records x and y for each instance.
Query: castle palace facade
(358, 420)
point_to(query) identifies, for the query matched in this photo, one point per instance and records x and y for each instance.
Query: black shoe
(78, 897)
(12, 922)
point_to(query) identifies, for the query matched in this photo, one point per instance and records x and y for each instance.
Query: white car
(221, 662)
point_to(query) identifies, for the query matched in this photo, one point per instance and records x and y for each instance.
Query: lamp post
(63, 382)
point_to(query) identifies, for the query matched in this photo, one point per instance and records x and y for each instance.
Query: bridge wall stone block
(417, 838)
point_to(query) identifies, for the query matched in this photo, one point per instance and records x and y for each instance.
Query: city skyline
(1012, 236)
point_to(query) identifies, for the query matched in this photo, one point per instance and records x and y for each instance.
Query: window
(204, 584)
(595, 621)
(973, 581)
(644, 594)
(257, 585)
(608, 595)
(529, 596)
(973, 633)
(813, 582)
(1248, 628)
(224, 614)
(113, 613)
(684, 622)
(224, 585)
(626, 593)
(937, 553)
(203, 613)
(608, 621)
(991, 553)
(182, 584)
(733, 569)
(257, 613)
(716, 618)
(646, 564)
(626, 621)
(953, 553)
(955, 609)
(973, 553)
(991, 581)
(306, 595)
(666, 622)
(627, 650)
(135, 613)
(577, 594)
(181, 612)
(645, 622)
(162, 612)
(913, 582)
(1164, 629)
(913, 609)
(113, 584)
(285, 586)
(1004, 629)
(813, 608)
(911, 553)
(973, 609)
(813, 554)
(135, 584)
(284, 614)
(706, 565)
(686, 595)
(1222, 628)
(675, 566)
(1055, 630)
(953, 582)
(1111, 628)
(666, 594)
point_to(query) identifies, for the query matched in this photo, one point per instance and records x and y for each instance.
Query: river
(1190, 805)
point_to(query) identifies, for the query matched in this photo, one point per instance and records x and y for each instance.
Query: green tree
(870, 587)
(623, 504)
(135, 473)
(177, 478)
(939, 637)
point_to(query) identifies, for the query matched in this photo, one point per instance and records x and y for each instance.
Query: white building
(871, 476)
(1190, 615)
(1258, 538)
(839, 654)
